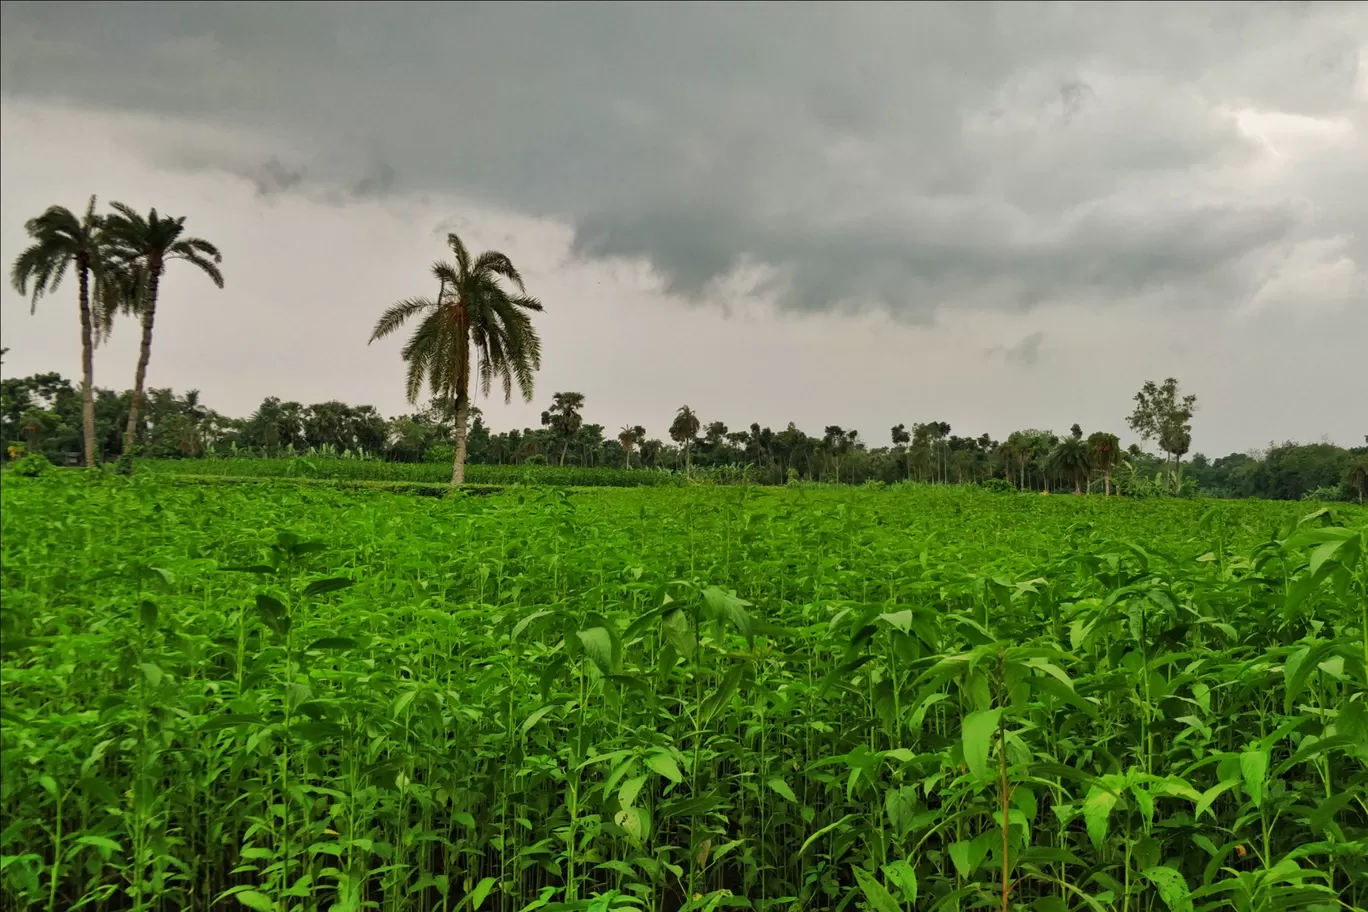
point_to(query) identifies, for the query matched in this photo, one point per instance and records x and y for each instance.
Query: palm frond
(492, 261)
(396, 315)
(458, 248)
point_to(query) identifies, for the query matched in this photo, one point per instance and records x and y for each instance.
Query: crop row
(342, 469)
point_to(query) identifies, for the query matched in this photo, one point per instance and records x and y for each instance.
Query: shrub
(31, 465)
(998, 486)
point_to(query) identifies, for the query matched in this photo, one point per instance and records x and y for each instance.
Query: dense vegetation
(930, 698)
(42, 414)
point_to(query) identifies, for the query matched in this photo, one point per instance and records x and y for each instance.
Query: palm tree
(1069, 460)
(61, 239)
(472, 308)
(1105, 452)
(683, 431)
(630, 437)
(143, 246)
(564, 418)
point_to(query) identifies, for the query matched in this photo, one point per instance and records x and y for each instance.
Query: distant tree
(1104, 450)
(630, 438)
(900, 437)
(1356, 477)
(143, 246)
(62, 239)
(472, 309)
(1069, 460)
(684, 430)
(564, 418)
(1162, 414)
(651, 450)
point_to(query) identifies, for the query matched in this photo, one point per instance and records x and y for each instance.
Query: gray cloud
(913, 157)
(1025, 351)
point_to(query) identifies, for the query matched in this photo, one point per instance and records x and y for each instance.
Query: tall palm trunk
(87, 368)
(149, 315)
(462, 415)
(462, 433)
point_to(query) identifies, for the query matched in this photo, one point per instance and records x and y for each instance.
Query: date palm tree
(1069, 460)
(62, 239)
(142, 246)
(472, 309)
(1105, 452)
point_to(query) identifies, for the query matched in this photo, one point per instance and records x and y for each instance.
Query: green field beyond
(282, 697)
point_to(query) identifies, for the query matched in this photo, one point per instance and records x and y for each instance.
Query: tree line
(479, 327)
(42, 414)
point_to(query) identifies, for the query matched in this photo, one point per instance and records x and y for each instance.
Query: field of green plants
(342, 469)
(280, 697)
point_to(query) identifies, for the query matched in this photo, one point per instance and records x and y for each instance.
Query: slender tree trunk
(87, 369)
(1108, 481)
(462, 432)
(149, 315)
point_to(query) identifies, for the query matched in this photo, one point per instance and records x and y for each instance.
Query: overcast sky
(997, 216)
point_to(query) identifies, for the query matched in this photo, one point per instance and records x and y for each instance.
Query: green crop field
(278, 697)
(338, 469)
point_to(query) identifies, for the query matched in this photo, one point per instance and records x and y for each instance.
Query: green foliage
(299, 697)
(531, 472)
(31, 465)
(997, 486)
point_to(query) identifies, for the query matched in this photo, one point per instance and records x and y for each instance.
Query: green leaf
(481, 892)
(598, 645)
(781, 787)
(152, 673)
(902, 874)
(901, 806)
(105, 845)
(721, 697)
(677, 632)
(320, 586)
(665, 765)
(527, 622)
(147, 615)
(254, 900)
(977, 732)
(273, 614)
(728, 606)
(1097, 808)
(1254, 770)
(823, 831)
(1210, 795)
(874, 891)
(898, 620)
(630, 789)
(1173, 889)
(533, 719)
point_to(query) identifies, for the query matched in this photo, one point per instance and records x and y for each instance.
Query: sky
(999, 216)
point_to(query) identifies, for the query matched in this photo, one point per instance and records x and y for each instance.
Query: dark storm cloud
(911, 157)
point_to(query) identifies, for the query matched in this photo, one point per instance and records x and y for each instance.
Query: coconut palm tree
(472, 309)
(630, 438)
(684, 430)
(142, 246)
(62, 239)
